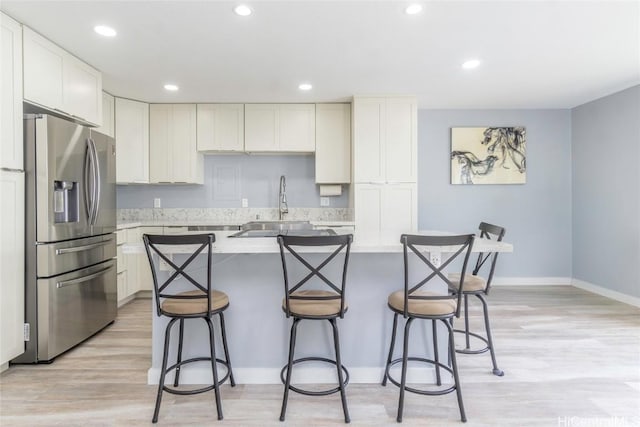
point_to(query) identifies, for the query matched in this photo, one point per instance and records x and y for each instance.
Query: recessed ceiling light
(242, 10)
(171, 87)
(103, 30)
(413, 9)
(305, 86)
(470, 64)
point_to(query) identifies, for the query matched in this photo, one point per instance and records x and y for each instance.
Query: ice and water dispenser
(65, 201)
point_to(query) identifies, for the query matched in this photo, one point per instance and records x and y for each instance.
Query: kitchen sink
(274, 228)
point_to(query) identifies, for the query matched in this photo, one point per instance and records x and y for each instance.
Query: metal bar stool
(201, 302)
(314, 304)
(477, 286)
(413, 303)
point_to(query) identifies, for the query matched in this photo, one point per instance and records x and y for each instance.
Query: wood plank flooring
(571, 358)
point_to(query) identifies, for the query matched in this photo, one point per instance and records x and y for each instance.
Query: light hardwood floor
(570, 358)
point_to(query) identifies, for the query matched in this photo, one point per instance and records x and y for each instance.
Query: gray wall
(229, 178)
(606, 192)
(537, 215)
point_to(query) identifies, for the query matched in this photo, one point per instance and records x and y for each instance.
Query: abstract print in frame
(488, 155)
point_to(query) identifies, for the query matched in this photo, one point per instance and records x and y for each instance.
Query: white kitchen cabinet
(11, 145)
(333, 143)
(385, 211)
(11, 265)
(132, 141)
(57, 80)
(385, 139)
(220, 127)
(133, 237)
(108, 115)
(385, 166)
(286, 128)
(173, 153)
(144, 280)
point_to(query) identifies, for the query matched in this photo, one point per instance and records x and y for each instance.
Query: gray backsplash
(222, 216)
(230, 178)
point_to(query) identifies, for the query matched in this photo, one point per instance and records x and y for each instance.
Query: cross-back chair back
(294, 245)
(417, 244)
(163, 289)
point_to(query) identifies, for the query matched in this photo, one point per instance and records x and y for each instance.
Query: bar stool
(315, 303)
(475, 285)
(413, 303)
(200, 302)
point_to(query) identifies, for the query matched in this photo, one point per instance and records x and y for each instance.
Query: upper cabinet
(55, 79)
(220, 127)
(385, 139)
(11, 148)
(132, 141)
(288, 128)
(108, 115)
(333, 143)
(173, 155)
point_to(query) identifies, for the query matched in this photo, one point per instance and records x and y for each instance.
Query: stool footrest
(469, 350)
(309, 392)
(199, 390)
(418, 391)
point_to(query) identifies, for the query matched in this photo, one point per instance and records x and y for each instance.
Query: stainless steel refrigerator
(70, 265)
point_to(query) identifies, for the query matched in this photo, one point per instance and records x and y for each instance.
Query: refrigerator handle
(83, 279)
(96, 181)
(88, 202)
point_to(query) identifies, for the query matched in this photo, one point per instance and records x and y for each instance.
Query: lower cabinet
(144, 278)
(385, 211)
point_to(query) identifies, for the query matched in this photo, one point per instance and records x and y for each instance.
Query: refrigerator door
(61, 257)
(74, 306)
(104, 219)
(57, 161)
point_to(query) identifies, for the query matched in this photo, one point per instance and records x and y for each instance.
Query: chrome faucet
(283, 208)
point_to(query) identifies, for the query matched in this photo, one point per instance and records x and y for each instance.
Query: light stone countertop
(264, 245)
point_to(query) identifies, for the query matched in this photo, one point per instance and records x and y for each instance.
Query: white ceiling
(535, 54)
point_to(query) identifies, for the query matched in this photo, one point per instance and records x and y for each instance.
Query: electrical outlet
(435, 258)
(162, 264)
(245, 203)
(157, 202)
(324, 201)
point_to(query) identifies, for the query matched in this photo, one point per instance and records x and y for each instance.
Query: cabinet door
(220, 127)
(401, 140)
(368, 206)
(399, 211)
(12, 265)
(186, 164)
(297, 128)
(261, 127)
(333, 143)
(145, 279)
(82, 90)
(108, 115)
(132, 141)
(173, 155)
(160, 151)
(11, 148)
(43, 70)
(368, 139)
(133, 238)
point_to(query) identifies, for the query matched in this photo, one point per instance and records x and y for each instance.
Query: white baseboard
(370, 375)
(531, 281)
(615, 295)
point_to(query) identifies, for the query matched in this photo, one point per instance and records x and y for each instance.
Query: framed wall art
(488, 155)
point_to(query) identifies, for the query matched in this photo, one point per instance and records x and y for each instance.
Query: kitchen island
(249, 271)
